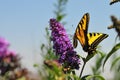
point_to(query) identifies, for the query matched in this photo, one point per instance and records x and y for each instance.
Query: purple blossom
(62, 45)
(4, 44)
(8, 58)
(11, 52)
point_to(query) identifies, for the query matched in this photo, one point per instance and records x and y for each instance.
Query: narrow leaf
(114, 62)
(89, 57)
(84, 77)
(114, 49)
(95, 76)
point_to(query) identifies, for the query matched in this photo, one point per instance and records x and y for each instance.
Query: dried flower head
(115, 25)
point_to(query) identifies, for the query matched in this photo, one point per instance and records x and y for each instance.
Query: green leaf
(119, 68)
(22, 78)
(76, 77)
(95, 76)
(36, 65)
(101, 53)
(89, 57)
(114, 49)
(99, 62)
(42, 47)
(114, 62)
(84, 77)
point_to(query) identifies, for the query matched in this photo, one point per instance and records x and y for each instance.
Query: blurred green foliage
(113, 51)
(59, 10)
(99, 59)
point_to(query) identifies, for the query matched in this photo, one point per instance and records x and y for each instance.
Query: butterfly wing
(75, 42)
(81, 31)
(94, 39)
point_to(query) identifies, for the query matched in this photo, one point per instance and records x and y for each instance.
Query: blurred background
(23, 23)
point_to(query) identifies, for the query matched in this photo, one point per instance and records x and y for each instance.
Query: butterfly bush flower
(4, 44)
(62, 45)
(8, 58)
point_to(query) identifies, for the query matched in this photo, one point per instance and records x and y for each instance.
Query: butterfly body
(88, 41)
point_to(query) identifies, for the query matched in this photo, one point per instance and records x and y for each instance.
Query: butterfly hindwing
(81, 31)
(95, 38)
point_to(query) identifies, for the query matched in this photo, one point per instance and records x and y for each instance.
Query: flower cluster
(3, 46)
(8, 59)
(62, 45)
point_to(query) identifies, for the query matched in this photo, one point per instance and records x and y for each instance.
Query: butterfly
(88, 41)
(114, 1)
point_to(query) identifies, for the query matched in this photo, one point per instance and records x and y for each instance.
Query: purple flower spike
(62, 45)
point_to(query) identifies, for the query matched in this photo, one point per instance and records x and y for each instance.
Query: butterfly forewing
(81, 31)
(75, 42)
(83, 24)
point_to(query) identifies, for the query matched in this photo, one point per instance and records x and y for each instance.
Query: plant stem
(82, 69)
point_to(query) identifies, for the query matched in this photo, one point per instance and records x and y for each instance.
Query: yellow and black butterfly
(89, 41)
